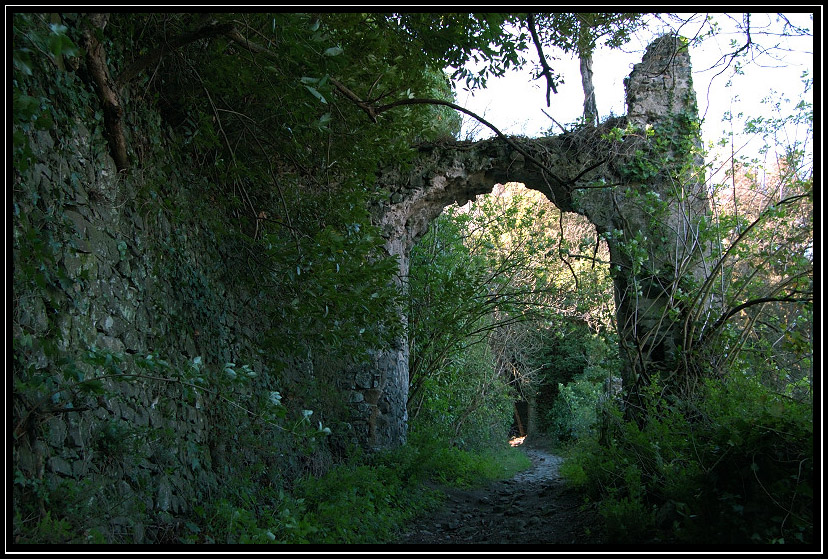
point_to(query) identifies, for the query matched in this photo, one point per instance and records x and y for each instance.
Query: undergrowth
(365, 500)
(732, 466)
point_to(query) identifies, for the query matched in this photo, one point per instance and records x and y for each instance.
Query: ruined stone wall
(658, 210)
(117, 277)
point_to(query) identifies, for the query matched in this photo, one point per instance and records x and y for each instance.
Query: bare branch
(702, 292)
(555, 121)
(547, 71)
(354, 98)
(373, 112)
(759, 301)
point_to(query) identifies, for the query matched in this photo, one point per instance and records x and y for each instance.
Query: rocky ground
(534, 507)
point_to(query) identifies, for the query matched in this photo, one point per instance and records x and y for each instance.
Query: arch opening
(507, 246)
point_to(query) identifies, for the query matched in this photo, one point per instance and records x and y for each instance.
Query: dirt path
(534, 507)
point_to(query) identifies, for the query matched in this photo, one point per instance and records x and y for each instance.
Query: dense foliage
(482, 281)
(365, 500)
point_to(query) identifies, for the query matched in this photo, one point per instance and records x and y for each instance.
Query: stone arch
(584, 171)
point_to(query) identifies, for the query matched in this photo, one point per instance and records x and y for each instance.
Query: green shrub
(574, 414)
(464, 403)
(627, 519)
(575, 410)
(274, 517)
(733, 465)
(358, 504)
(760, 462)
(438, 461)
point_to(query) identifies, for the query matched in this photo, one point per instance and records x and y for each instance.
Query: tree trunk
(590, 106)
(532, 416)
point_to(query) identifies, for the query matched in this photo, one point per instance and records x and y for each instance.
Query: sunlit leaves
(763, 235)
(485, 267)
(452, 39)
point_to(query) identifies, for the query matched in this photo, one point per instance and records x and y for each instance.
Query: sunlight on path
(517, 441)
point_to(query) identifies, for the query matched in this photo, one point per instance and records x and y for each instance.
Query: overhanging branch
(212, 29)
(109, 89)
(547, 71)
(739, 308)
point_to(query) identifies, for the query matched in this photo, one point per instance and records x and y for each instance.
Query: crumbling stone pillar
(379, 387)
(651, 219)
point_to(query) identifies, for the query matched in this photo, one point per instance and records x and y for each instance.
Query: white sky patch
(516, 104)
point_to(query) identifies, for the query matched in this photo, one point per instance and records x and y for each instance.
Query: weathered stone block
(80, 469)
(33, 314)
(57, 431)
(108, 343)
(99, 413)
(38, 358)
(363, 378)
(372, 396)
(75, 437)
(107, 325)
(163, 496)
(79, 222)
(138, 222)
(44, 140)
(124, 268)
(103, 244)
(26, 460)
(132, 342)
(140, 417)
(156, 419)
(60, 466)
